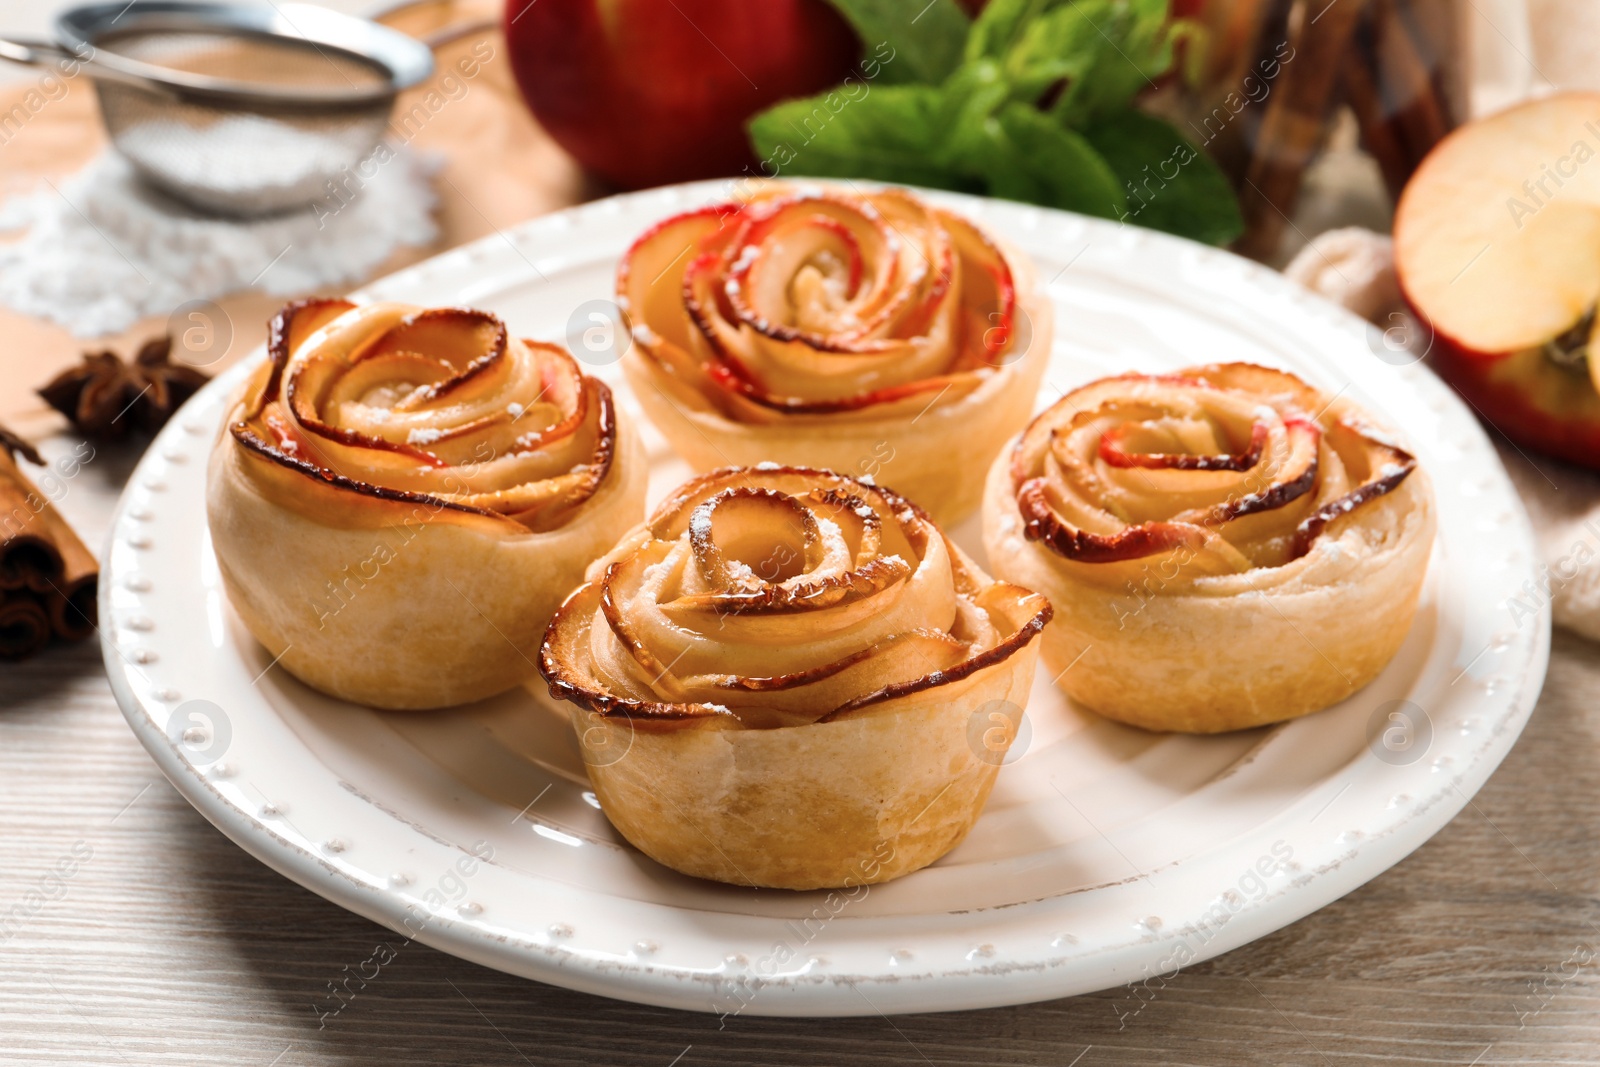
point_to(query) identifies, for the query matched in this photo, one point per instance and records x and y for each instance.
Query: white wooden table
(157, 941)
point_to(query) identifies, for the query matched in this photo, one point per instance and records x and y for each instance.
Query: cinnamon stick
(1438, 30)
(1254, 31)
(73, 605)
(26, 556)
(1378, 136)
(1406, 78)
(27, 560)
(1292, 128)
(48, 577)
(33, 535)
(24, 627)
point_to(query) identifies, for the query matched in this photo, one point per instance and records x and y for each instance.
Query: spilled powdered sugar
(102, 250)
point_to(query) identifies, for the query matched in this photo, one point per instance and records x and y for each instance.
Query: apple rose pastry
(867, 334)
(404, 497)
(1225, 546)
(775, 680)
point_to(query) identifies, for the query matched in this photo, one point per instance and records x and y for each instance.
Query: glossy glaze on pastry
(869, 333)
(402, 497)
(775, 680)
(1225, 546)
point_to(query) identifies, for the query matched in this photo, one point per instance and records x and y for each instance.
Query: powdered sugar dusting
(106, 251)
(747, 255)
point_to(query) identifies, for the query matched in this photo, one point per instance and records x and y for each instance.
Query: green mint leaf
(1104, 51)
(887, 132)
(1064, 44)
(971, 98)
(1031, 158)
(1131, 48)
(926, 42)
(1168, 182)
(1000, 25)
(982, 128)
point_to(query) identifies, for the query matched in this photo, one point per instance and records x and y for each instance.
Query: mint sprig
(1032, 101)
(926, 42)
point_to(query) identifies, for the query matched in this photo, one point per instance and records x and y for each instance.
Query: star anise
(106, 398)
(11, 445)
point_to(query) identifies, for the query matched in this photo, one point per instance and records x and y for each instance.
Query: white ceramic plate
(1105, 854)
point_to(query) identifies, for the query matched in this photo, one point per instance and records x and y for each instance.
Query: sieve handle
(41, 53)
(32, 53)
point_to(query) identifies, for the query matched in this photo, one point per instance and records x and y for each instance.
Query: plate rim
(1366, 860)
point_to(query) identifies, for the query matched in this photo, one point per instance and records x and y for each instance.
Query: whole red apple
(1497, 248)
(646, 92)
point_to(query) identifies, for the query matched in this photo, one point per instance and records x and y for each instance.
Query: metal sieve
(235, 109)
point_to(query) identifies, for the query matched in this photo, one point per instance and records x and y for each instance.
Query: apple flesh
(645, 93)
(1497, 249)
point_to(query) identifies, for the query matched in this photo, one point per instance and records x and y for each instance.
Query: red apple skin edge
(1527, 397)
(646, 93)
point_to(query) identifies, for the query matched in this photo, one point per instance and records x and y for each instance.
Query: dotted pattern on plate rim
(1127, 238)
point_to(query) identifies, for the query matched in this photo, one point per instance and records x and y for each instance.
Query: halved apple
(1497, 249)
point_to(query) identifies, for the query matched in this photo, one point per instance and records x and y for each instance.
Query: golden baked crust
(1225, 546)
(775, 680)
(403, 497)
(869, 334)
